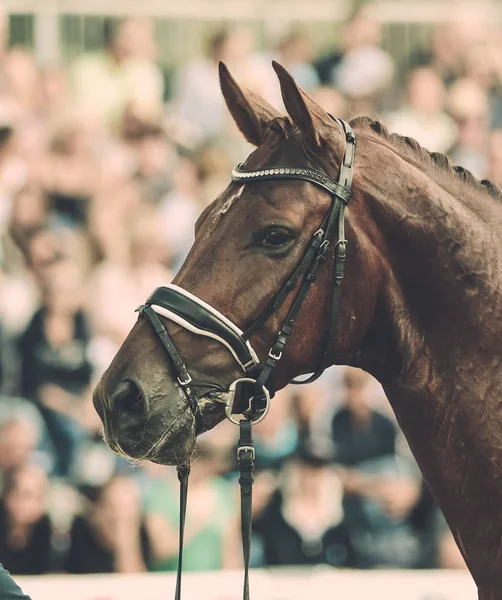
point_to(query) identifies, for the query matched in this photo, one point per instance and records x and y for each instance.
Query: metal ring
(230, 403)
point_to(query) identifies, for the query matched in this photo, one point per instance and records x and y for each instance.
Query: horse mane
(412, 149)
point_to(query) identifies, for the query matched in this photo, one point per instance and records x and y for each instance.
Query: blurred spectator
(21, 96)
(312, 408)
(4, 31)
(55, 369)
(361, 69)
(55, 90)
(43, 248)
(29, 210)
(123, 75)
(303, 522)
(423, 116)
(179, 210)
(360, 432)
(111, 536)
(18, 439)
(331, 100)
(276, 437)
(25, 530)
(381, 489)
(117, 287)
(295, 54)
(210, 533)
(496, 157)
(197, 97)
(12, 174)
(29, 213)
(69, 175)
(445, 54)
(114, 206)
(469, 106)
(214, 163)
(156, 157)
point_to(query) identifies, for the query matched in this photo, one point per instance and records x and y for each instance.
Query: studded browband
(308, 174)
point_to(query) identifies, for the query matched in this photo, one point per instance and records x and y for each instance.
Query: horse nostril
(128, 400)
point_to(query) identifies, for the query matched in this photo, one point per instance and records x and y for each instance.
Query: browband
(305, 173)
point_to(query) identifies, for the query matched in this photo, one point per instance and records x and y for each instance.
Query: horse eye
(276, 237)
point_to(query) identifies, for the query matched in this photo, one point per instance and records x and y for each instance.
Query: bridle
(200, 318)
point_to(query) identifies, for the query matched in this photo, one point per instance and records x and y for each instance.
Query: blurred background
(113, 138)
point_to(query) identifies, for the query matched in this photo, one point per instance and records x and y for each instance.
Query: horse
(420, 307)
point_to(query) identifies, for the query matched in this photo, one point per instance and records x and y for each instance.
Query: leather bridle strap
(286, 330)
(346, 178)
(313, 258)
(200, 318)
(289, 286)
(182, 374)
(245, 461)
(183, 474)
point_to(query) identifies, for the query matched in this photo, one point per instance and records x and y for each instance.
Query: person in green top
(211, 534)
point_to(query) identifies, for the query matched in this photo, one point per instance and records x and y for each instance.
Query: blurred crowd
(104, 166)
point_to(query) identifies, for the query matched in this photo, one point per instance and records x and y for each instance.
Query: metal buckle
(231, 398)
(185, 382)
(341, 248)
(275, 356)
(246, 449)
(323, 247)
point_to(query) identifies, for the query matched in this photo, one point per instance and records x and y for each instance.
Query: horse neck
(442, 314)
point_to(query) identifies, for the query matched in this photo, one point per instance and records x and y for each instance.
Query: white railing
(401, 11)
(182, 24)
(286, 584)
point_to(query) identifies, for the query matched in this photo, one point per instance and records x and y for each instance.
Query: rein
(200, 318)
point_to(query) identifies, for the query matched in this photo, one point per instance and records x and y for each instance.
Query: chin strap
(245, 461)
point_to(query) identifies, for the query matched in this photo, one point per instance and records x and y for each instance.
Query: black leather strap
(245, 461)
(183, 474)
(180, 368)
(311, 261)
(346, 177)
(290, 284)
(199, 316)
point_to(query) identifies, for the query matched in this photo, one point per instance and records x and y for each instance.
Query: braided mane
(413, 150)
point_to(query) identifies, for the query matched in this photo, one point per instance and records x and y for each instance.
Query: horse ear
(250, 111)
(307, 115)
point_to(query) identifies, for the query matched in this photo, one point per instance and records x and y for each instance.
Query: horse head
(170, 379)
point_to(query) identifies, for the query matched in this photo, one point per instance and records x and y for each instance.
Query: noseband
(198, 317)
